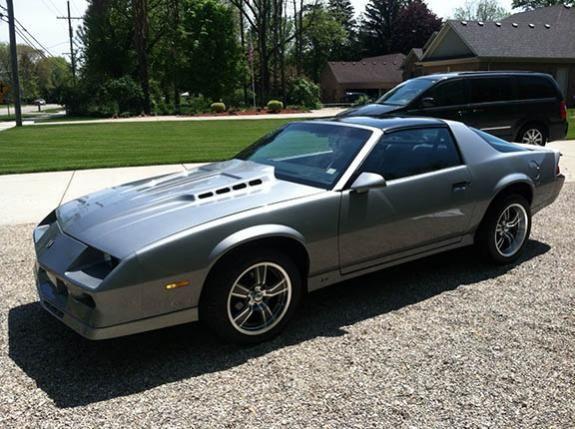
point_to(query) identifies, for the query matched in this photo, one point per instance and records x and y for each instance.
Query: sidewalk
(27, 198)
(314, 114)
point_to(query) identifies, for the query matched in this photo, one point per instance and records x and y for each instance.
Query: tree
(342, 11)
(534, 4)
(480, 10)
(322, 35)
(414, 26)
(377, 26)
(211, 48)
(41, 76)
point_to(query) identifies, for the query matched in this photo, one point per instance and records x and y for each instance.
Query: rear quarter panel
(492, 171)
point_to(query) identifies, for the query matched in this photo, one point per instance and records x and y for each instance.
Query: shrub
(196, 104)
(304, 93)
(218, 107)
(274, 106)
(361, 100)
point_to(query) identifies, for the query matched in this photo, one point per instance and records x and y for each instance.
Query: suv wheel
(533, 134)
(252, 297)
(505, 229)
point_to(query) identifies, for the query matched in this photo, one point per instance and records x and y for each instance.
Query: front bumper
(80, 293)
(60, 303)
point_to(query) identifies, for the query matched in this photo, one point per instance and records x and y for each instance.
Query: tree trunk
(140, 8)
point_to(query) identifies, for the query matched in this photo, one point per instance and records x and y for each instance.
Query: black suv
(524, 107)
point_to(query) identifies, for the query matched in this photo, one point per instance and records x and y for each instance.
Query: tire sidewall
(486, 232)
(214, 301)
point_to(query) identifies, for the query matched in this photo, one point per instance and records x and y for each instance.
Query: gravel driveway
(443, 342)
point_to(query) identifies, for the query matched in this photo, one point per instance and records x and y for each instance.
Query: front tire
(505, 229)
(251, 296)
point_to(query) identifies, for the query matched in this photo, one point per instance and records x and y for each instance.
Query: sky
(39, 18)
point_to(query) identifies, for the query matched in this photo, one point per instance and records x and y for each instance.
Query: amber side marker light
(175, 285)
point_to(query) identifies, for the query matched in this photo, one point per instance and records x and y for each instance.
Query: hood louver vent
(228, 189)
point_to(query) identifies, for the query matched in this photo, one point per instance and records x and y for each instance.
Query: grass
(66, 147)
(571, 119)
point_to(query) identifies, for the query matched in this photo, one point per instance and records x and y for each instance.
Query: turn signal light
(175, 285)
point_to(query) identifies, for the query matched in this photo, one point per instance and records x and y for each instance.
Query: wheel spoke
(509, 237)
(499, 242)
(243, 317)
(277, 289)
(266, 311)
(261, 274)
(240, 291)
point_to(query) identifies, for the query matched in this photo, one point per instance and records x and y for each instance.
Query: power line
(24, 29)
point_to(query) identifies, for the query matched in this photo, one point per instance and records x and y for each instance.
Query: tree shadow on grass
(74, 371)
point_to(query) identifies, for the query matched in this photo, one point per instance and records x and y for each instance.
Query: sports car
(237, 244)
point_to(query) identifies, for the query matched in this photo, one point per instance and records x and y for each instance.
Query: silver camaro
(236, 244)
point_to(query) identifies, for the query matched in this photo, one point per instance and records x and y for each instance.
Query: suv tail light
(563, 111)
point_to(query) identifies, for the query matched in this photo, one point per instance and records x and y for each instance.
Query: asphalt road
(448, 341)
(27, 108)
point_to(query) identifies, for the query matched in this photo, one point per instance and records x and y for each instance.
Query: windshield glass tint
(308, 153)
(406, 92)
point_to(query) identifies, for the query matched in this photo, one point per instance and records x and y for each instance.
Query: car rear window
(535, 87)
(497, 143)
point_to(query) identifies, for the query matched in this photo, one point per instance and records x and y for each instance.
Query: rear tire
(251, 296)
(534, 134)
(505, 229)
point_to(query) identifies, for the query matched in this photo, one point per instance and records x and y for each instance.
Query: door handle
(460, 186)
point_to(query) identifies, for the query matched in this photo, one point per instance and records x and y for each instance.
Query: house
(540, 40)
(410, 66)
(372, 75)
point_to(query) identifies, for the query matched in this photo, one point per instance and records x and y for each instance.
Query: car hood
(373, 110)
(126, 218)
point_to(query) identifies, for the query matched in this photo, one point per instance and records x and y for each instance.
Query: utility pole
(14, 61)
(71, 34)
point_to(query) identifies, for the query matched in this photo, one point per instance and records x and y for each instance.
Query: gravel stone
(448, 341)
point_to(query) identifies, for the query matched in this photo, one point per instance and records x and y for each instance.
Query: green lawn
(65, 147)
(571, 118)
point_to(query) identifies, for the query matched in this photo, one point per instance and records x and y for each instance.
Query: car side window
(450, 93)
(485, 90)
(409, 152)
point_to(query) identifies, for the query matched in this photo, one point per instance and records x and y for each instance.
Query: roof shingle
(383, 69)
(540, 33)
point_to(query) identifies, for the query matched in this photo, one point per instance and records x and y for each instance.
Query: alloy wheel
(511, 230)
(259, 298)
(533, 136)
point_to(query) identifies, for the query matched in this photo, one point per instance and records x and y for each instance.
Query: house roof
(383, 69)
(545, 33)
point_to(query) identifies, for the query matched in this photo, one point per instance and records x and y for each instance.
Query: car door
(492, 107)
(425, 203)
(446, 100)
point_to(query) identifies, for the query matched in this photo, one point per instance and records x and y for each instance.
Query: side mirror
(367, 181)
(428, 102)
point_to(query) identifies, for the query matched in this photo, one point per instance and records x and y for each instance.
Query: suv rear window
(498, 144)
(535, 87)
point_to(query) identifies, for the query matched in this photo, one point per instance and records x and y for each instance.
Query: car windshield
(406, 92)
(309, 153)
